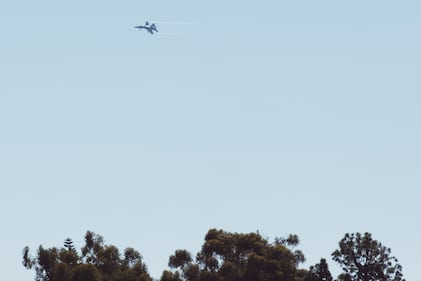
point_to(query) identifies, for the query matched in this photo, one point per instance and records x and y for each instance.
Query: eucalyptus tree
(227, 256)
(95, 262)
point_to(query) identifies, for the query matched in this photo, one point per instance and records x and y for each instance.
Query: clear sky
(279, 116)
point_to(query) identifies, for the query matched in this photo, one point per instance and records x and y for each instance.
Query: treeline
(224, 256)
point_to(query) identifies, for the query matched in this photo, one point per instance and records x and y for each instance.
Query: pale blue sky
(278, 116)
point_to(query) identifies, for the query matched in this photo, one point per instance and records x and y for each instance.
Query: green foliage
(319, 272)
(234, 257)
(365, 259)
(93, 248)
(68, 253)
(170, 276)
(181, 258)
(224, 256)
(85, 272)
(97, 262)
(68, 245)
(291, 242)
(301, 275)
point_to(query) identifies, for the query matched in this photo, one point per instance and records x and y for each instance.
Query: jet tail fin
(153, 27)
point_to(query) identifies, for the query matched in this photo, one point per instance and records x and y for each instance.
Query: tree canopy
(364, 259)
(319, 272)
(96, 262)
(224, 256)
(236, 257)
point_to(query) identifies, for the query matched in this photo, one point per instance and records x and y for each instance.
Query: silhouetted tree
(291, 242)
(68, 253)
(224, 256)
(319, 272)
(98, 262)
(365, 259)
(68, 245)
(234, 257)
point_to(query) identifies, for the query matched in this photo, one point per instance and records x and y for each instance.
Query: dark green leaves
(235, 257)
(365, 259)
(224, 256)
(97, 262)
(181, 258)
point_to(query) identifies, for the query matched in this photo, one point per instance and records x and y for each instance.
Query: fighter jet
(149, 27)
